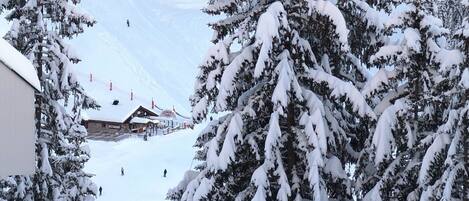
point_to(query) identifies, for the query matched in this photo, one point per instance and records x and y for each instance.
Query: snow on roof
(142, 120)
(18, 63)
(168, 113)
(163, 118)
(114, 113)
(175, 119)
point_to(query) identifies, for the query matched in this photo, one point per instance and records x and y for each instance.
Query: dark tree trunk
(291, 157)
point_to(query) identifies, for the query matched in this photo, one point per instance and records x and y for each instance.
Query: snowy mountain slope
(143, 163)
(156, 57)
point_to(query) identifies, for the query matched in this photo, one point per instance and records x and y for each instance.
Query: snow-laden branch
(328, 9)
(383, 139)
(378, 81)
(268, 27)
(341, 88)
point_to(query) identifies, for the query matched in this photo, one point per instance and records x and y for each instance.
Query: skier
(128, 23)
(100, 190)
(122, 171)
(164, 172)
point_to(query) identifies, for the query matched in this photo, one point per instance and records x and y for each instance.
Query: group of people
(122, 174)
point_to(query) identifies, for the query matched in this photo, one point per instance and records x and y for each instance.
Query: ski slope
(144, 163)
(156, 57)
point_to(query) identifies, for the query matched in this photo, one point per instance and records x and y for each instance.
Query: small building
(18, 82)
(167, 118)
(115, 119)
(171, 119)
(144, 124)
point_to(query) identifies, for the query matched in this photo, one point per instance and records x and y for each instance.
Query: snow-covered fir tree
(451, 180)
(366, 23)
(285, 74)
(419, 108)
(38, 31)
(365, 20)
(452, 13)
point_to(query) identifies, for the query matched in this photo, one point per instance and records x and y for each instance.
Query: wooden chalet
(118, 119)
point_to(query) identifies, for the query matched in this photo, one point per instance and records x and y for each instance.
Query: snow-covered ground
(156, 57)
(143, 162)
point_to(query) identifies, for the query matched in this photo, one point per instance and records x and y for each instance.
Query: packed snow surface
(143, 163)
(18, 63)
(156, 56)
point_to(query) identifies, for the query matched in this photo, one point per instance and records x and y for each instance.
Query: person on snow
(100, 190)
(164, 172)
(128, 23)
(122, 171)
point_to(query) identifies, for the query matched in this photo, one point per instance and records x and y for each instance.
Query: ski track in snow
(144, 163)
(156, 57)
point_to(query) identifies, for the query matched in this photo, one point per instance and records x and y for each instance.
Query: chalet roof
(176, 119)
(115, 113)
(18, 63)
(141, 120)
(168, 113)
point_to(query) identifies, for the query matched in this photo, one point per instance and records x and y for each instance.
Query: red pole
(110, 85)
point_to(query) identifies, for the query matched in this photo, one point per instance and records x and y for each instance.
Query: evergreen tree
(451, 181)
(452, 13)
(366, 21)
(366, 24)
(291, 117)
(414, 128)
(38, 31)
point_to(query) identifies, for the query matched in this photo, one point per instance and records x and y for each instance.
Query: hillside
(156, 57)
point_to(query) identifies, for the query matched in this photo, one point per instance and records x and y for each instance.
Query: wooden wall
(98, 127)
